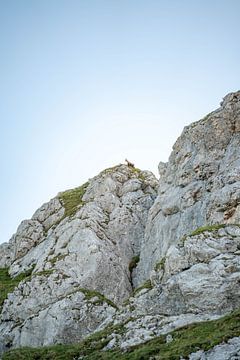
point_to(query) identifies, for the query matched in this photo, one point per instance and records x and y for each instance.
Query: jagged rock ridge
(200, 185)
(80, 251)
(79, 246)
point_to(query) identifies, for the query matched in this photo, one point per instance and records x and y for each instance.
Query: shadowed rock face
(199, 185)
(83, 246)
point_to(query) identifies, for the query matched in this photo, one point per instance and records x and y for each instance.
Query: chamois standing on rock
(129, 164)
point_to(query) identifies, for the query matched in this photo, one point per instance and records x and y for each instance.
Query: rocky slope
(134, 257)
(78, 248)
(199, 185)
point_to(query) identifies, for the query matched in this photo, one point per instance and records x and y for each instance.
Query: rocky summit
(130, 267)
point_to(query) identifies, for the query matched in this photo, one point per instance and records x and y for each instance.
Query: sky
(85, 84)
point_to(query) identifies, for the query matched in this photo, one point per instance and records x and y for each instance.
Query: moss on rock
(202, 229)
(146, 285)
(89, 294)
(160, 264)
(72, 199)
(7, 283)
(186, 340)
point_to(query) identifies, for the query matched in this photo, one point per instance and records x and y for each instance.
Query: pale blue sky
(86, 83)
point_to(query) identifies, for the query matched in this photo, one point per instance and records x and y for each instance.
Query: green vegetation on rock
(57, 258)
(160, 264)
(135, 171)
(202, 229)
(139, 173)
(91, 346)
(44, 272)
(110, 170)
(188, 339)
(133, 263)
(7, 284)
(146, 285)
(72, 199)
(89, 294)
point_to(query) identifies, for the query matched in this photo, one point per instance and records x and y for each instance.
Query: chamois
(129, 164)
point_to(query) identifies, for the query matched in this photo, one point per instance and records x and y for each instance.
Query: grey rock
(169, 338)
(139, 329)
(79, 251)
(49, 213)
(87, 251)
(225, 351)
(200, 275)
(199, 185)
(6, 252)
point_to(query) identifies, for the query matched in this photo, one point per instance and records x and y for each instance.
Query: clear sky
(84, 84)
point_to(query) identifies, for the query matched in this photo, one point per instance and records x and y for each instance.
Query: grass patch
(7, 284)
(137, 172)
(89, 294)
(188, 339)
(72, 199)
(44, 272)
(146, 285)
(110, 169)
(160, 264)
(133, 263)
(57, 258)
(202, 229)
(91, 346)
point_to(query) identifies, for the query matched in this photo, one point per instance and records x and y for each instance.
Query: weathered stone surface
(197, 281)
(6, 254)
(200, 275)
(31, 232)
(228, 351)
(91, 249)
(146, 327)
(63, 318)
(199, 185)
(83, 247)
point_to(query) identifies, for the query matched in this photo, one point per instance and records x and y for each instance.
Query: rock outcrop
(200, 185)
(127, 252)
(198, 280)
(78, 246)
(229, 350)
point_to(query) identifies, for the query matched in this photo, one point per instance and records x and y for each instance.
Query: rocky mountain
(129, 267)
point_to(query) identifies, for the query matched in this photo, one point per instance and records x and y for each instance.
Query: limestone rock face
(201, 274)
(124, 251)
(79, 246)
(226, 351)
(198, 280)
(200, 185)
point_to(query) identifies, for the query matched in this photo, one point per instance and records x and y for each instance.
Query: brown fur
(129, 163)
